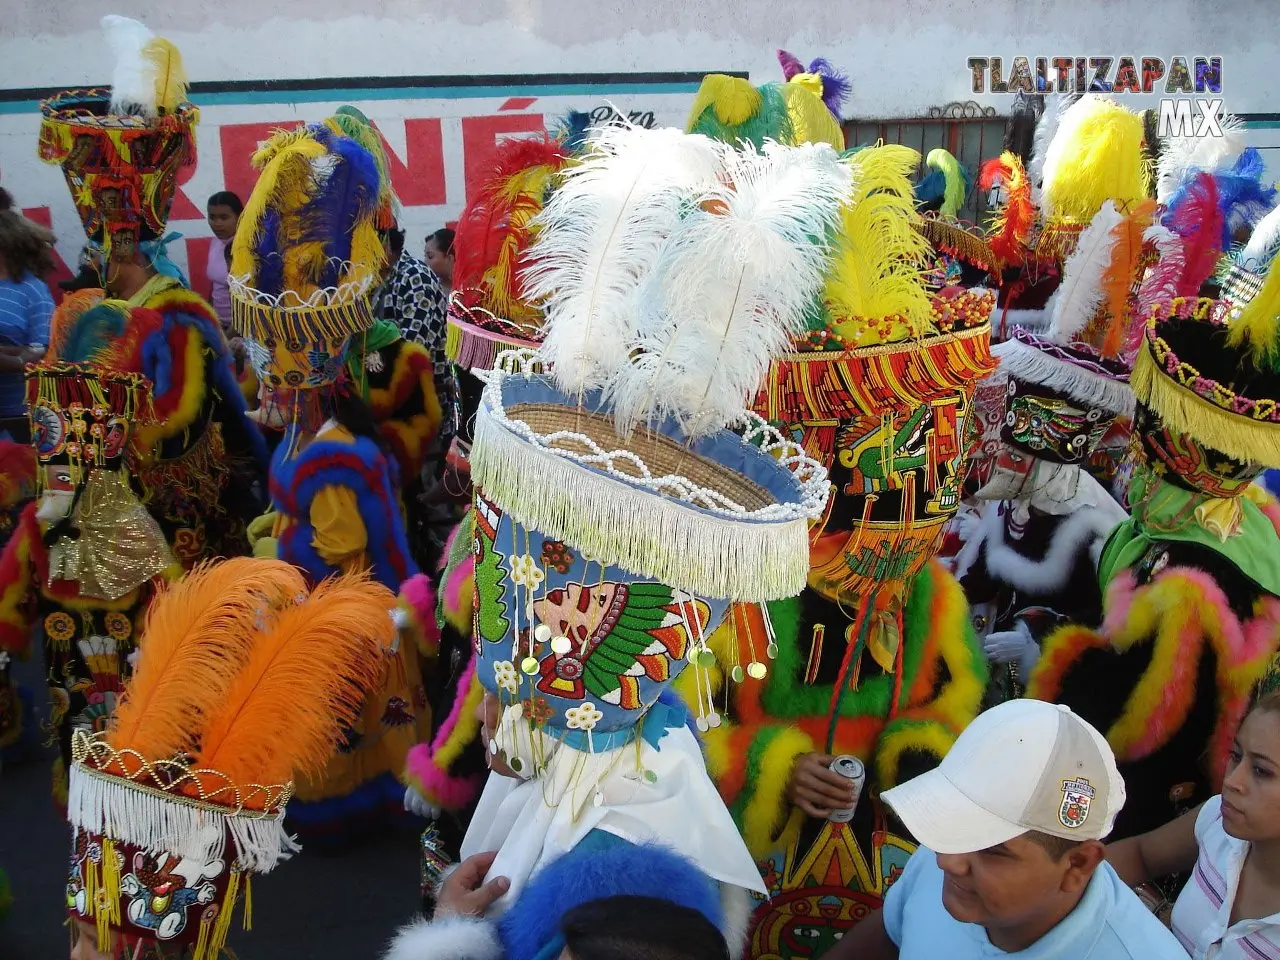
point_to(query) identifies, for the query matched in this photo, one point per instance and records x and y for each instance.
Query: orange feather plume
(1012, 225)
(197, 636)
(307, 677)
(1119, 277)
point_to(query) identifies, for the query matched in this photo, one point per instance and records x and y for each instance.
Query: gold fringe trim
(296, 327)
(1185, 412)
(953, 238)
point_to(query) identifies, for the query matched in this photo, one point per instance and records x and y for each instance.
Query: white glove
(966, 523)
(1013, 646)
(417, 804)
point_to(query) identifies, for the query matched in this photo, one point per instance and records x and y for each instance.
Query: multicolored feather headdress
(1096, 155)
(879, 389)
(245, 681)
(490, 310)
(306, 255)
(617, 514)
(347, 121)
(121, 148)
(804, 109)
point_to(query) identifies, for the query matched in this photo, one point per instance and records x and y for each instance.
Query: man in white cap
(1011, 857)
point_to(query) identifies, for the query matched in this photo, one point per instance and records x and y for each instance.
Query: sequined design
(1045, 424)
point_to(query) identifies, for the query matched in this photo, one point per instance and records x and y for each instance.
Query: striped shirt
(26, 307)
(1202, 916)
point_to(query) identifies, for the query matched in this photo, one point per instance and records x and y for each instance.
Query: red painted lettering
(480, 138)
(42, 216)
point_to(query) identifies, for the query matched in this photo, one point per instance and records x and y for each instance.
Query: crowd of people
(714, 545)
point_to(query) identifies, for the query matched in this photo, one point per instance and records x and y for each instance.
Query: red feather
(1198, 221)
(1012, 226)
(485, 223)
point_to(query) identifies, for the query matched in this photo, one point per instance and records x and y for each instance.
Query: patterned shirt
(413, 300)
(1202, 916)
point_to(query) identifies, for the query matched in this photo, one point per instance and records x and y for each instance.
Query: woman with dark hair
(26, 307)
(224, 209)
(440, 257)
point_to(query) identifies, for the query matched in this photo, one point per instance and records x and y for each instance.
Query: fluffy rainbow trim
(427, 765)
(900, 736)
(406, 407)
(1179, 614)
(762, 812)
(458, 584)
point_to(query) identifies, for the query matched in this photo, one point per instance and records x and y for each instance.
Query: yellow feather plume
(874, 291)
(171, 79)
(735, 100)
(307, 677)
(811, 121)
(198, 633)
(1259, 322)
(1095, 156)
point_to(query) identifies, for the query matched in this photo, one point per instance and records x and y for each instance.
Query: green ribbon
(381, 334)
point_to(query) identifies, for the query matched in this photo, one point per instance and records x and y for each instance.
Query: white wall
(903, 57)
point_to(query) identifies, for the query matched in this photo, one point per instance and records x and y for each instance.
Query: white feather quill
(1180, 157)
(732, 288)
(1262, 243)
(1046, 127)
(600, 236)
(1080, 295)
(133, 85)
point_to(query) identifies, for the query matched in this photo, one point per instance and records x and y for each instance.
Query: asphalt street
(318, 906)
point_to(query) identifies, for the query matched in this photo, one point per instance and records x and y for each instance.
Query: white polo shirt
(1202, 915)
(1109, 923)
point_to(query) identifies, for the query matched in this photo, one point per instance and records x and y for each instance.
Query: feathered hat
(616, 514)
(1095, 156)
(245, 681)
(879, 390)
(121, 148)
(490, 310)
(963, 253)
(82, 412)
(1208, 379)
(1067, 384)
(306, 256)
(803, 109)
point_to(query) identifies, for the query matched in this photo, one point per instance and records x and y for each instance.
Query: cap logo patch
(1076, 797)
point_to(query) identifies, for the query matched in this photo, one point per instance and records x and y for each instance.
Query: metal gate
(971, 132)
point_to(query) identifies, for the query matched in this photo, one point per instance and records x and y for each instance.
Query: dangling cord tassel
(222, 924)
(848, 673)
(895, 704)
(247, 917)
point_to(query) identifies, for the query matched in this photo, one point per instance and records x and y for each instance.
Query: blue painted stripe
(356, 95)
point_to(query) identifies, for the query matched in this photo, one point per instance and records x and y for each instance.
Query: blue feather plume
(1242, 197)
(347, 195)
(836, 86)
(270, 264)
(931, 187)
(572, 130)
(93, 331)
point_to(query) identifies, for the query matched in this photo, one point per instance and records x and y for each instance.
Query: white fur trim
(453, 938)
(1003, 321)
(1088, 527)
(737, 905)
(1083, 386)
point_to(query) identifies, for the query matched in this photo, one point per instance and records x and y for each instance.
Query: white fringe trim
(1085, 387)
(740, 556)
(129, 813)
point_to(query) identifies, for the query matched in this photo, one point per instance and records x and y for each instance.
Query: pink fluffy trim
(436, 784)
(419, 595)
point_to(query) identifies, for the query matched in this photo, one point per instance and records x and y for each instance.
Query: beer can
(850, 768)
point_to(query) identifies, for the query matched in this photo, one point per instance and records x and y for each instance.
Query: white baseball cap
(1023, 765)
